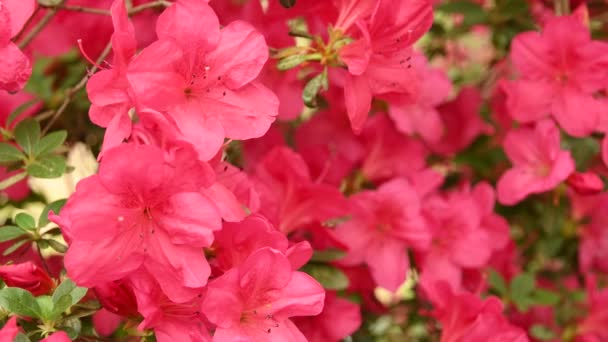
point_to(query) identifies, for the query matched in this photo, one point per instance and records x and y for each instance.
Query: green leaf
(8, 233)
(545, 297)
(313, 87)
(327, 255)
(20, 302)
(62, 304)
(21, 338)
(14, 247)
(19, 110)
(497, 282)
(541, 332)
(522, 287)
(330, 277)
(50, 142)
(293, 61)
(49, 166)
(25, 221)
(473, 13)
(67, 287)
(288, 3)
(9, 153)
(55, 207)
(45, 303)
(27, 135)
(57, 246)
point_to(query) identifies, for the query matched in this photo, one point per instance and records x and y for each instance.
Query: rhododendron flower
(10, 330)
(388, 153)
(254, 301)
(288, 196)
(143, 210)
(237, 241)
(15, 68)
(170, 321)
(458, 239)
(210, 91)
(539, 164)
(340, 318)
(384, 224)
(561, 69)
(466, 317)
(416, 112)
(378, 59)
(27, 276)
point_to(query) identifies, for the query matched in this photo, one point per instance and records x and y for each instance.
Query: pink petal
(191, 23)
(387, 252)
(190, 219)
(358, 97)
(15, 69)
(577, 113)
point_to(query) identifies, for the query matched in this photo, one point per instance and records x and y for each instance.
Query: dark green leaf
(9, 153)
(14, 247)
(497, 282)
(330, 277)
(57, 246)
(19, 110)
(50, 142)
(473, 13)
(541, 332)
(21, 338)
(327, 255)
(10, 232)
(545, 297)
(55, 207)
(25, 221)
(27, 135)
(522, 285)
(288, 3)
(67, 287)
(313, 87)
(49, 166)
(19, 301)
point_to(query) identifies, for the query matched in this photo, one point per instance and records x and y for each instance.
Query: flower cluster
(304, 170)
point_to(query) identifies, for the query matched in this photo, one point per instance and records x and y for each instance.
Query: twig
(69, 94)
(82, 9)
(34, 32)
(561, 7)
(141, 8)
(10, 181)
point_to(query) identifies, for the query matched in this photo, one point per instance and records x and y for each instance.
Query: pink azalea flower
(143, 210)
(539, 164)
(170, 321)
(462, 122)
(210, 91)
(340, 318)
(585, 183)
(378, 59)
(561, 69)
(465, 317)
(289, 198)
(459, 241)
(254, 301)
(237, 241)
(388, 153)
(385, 223)
(329, 147)
(27, 276)
(15, 68)
(10, 330)
(416, 113)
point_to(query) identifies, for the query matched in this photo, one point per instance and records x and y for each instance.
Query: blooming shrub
(303, 170)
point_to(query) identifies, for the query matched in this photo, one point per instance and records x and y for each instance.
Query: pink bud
(27, 276)
(585, 183)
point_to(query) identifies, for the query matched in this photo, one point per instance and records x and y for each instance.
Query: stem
(12, 180)
(141, 8)
(82, 9)
(561, 7)
(41, 25)
(72, 91)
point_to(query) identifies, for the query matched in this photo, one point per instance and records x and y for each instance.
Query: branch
(69, 94)
(100, 11)
(41, 24)
(561, 7)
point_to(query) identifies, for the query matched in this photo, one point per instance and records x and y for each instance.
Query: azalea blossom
(15, 68)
